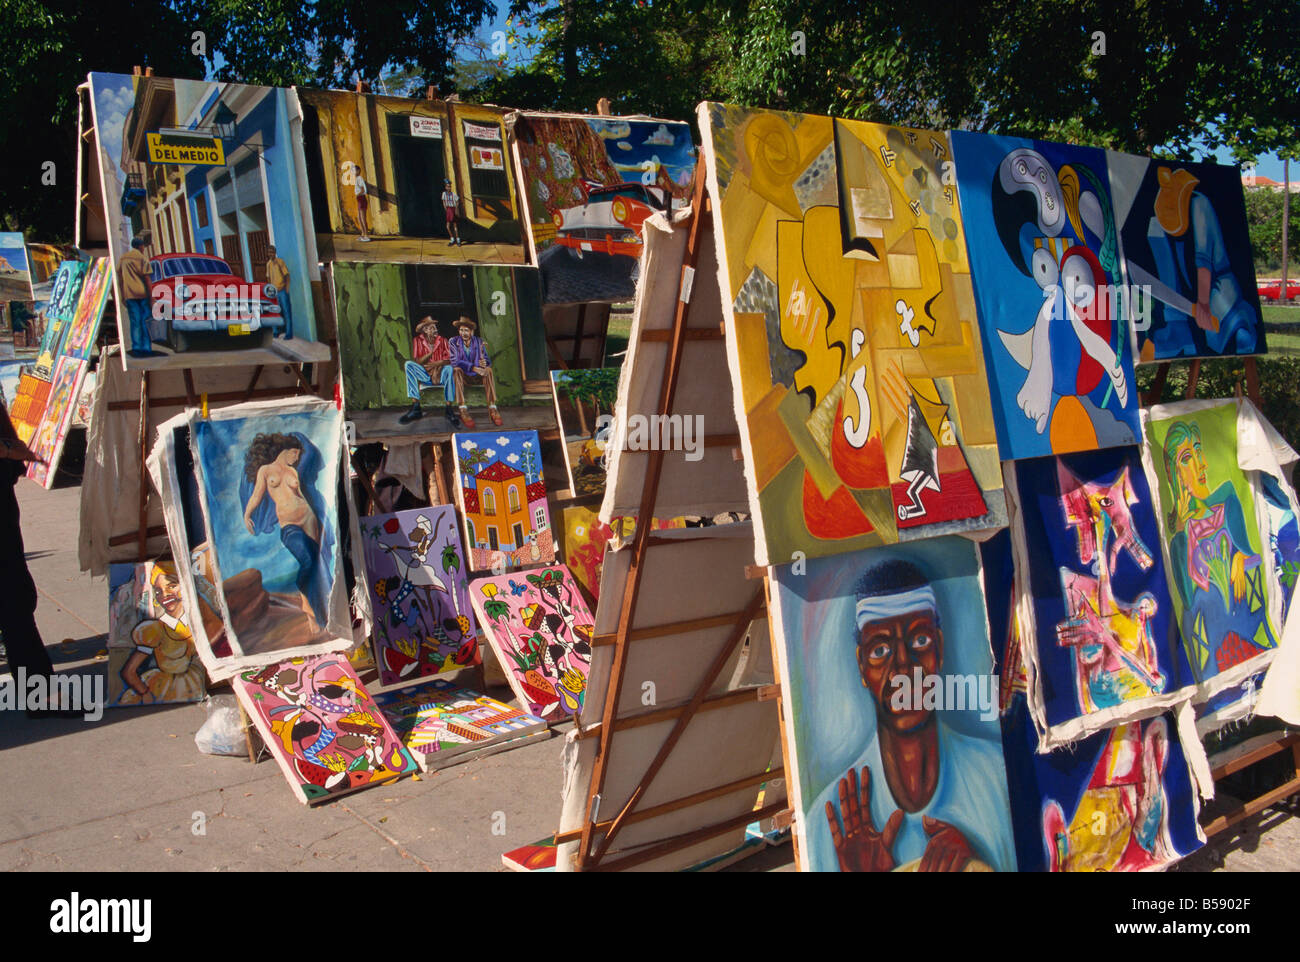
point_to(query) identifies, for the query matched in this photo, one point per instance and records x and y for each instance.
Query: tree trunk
(1286, 225)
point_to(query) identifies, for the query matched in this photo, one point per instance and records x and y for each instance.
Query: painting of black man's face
(892, 711)
(269, 483)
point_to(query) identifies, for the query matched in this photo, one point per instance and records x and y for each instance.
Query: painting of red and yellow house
(503, 500)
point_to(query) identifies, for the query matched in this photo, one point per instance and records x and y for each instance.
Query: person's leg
(417, 378)
(459, 377)
(306, 553)
(282, 297)
(448, 381)
(137, 310)
(22, 639)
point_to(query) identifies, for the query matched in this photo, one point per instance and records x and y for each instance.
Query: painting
(1185, 245)
(323, 727)
(586, 538)
(438, 721)
(419, 593)
(541, 631)
(151, 655)
(859, 380)
(30, 399)
(1054, 318)
(60, 310)
(584, 406)
(1124, 799)
(891, 711)
(47, 441)
(1213, 544)
(431, 349)
(1102, 643)
(502, 500)
(83, 332)
(207, 222)
(268, 479)
(15, 274)
(1283, 539)
(398, 180)
(589, 184)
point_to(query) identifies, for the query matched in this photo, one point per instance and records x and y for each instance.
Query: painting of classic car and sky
(589, 184)
(207, 228)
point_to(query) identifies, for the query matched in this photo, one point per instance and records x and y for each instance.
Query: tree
(1264, 220)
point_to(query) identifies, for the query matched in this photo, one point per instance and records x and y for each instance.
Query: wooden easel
(597, 834)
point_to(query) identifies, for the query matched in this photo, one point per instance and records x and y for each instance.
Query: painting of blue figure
(1121, 800)
(1186, 246)
(892, 712)
(1283, 540)
(1054, 323)
(1105, 636)
(269, 487)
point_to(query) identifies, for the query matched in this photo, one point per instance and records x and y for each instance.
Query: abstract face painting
(861, 379)
(503, 499)
(1046, 262)
(416, 573)
(269, 483)
(1104, 639)
(541, 631)
(151, 655)
(1187, 247)
(325, 731)
(1216, 566)
(892, 712)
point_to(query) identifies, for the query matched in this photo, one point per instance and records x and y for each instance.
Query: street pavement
(132, 792)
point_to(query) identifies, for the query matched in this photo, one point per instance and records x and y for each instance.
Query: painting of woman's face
(1189, 462)
(289, 456)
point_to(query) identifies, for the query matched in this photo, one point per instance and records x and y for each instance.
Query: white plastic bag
(222, 733)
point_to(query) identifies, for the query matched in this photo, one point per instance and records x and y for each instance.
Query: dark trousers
(17, 609)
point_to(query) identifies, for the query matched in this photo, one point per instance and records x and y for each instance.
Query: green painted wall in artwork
(374, 334)
(493, 291)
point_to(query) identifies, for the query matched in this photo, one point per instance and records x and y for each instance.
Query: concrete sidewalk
(132, 792)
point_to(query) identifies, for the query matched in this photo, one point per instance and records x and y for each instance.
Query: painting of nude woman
(269, 483)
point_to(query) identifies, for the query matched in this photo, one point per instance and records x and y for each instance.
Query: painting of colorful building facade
(542, 631)
(1185, 243)
(419, 593)
(1055, 324)
(208, 224)
(398, 180)
(590, 183)
(1217, 572)
(502, 499)
(852, 325)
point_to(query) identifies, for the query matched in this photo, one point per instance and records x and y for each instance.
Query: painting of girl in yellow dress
(152, 659)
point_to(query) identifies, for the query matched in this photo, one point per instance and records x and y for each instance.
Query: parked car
(1272, 290)
(200, 293)
(610, 219)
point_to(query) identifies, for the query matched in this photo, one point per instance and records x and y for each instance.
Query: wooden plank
(693, 838)
(180, 401)
(142, 536)
(649, 495)
(1253, 807)
(1252, 381)
(670, 628)
(154, 531)
(663, 334)
(686, 801)
(684, 719)
(1248, 753)
(654, 716)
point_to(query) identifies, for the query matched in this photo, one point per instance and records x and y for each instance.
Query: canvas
(1102, 641)
(207, 221)
(541, 631)
(47, 441)
(439, 721)
(858, 377)
(584, 405)
(60, 310)
(589, 185)
(1186, 246)
(1124, 799)
(412, 181)
(1214, 549)
(891, 711)
(1045, 256)
(151, 655)
(83, 332)
(502, 499)
(15, 274)
(419, 592)
(405, 356)
(268, 483)
(324, 729)
(586, 539)
(30, 399)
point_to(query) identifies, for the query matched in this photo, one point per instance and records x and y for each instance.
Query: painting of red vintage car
(610, 219)
(201, 294)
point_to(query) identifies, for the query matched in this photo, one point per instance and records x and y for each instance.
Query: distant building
(1268, 183)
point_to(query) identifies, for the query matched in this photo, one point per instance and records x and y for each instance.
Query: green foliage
(597, 385)
(1264, 219)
